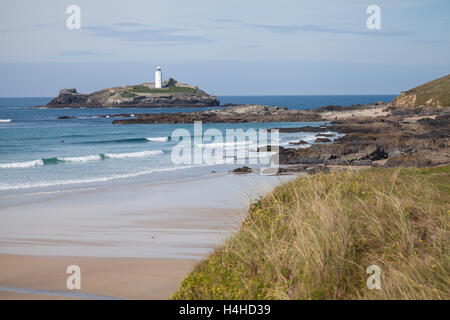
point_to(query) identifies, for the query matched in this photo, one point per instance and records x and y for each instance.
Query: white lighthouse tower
(158, 78)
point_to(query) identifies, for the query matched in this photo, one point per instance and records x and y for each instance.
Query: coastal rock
(389, 141)
(324, 135)
(243, 169)
(322, 140)
(69, 97)
(237, 114)
(301, 142)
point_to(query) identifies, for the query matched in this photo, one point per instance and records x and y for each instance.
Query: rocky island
(146, 95)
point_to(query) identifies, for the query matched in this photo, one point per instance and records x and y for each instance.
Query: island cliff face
(173, 94)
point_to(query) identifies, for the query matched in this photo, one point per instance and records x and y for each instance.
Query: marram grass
(313, 238)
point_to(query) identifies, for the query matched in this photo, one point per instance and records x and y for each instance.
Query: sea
(40, 153)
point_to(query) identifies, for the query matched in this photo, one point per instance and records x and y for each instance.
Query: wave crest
(158, 139)
(26, 164)
(133, 154)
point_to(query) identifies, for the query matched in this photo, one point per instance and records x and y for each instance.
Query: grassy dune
(313, 238)
(438, 90)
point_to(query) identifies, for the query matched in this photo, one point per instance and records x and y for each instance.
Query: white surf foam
(158, 139)
(133, 154)
(90, 158)
(26, 164)
(231, 144)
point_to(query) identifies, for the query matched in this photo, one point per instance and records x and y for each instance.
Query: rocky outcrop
(173, 94)
(237, 114)
(69, 97)
(388, 141)
(298, 143)
(322, 140)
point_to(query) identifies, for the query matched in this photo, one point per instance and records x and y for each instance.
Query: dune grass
(314, 237)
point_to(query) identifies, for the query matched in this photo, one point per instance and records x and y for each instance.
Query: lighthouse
(158, 78)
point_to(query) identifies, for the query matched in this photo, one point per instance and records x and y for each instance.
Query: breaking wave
(158, 139)
(26, 164)
(133, 154)
(81, 159)
(130, 140)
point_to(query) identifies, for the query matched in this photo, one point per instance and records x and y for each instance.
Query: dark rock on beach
(243, 169)
(301, 142)
(66, 117)
(324, 135)
(322, 140)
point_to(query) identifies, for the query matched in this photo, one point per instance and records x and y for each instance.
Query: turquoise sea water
(38, 152)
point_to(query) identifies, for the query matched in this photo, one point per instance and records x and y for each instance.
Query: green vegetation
(438, 90)
(314, 237)
(128, 94)
(173, 89)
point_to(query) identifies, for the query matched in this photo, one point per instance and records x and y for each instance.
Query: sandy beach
(350, 114)
(131, 242)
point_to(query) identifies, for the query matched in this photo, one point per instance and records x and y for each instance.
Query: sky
(233, 47)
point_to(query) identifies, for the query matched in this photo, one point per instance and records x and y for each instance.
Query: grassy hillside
(437, 90)
(314, 237)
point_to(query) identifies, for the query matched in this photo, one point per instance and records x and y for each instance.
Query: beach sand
(101, 278)
(344, 115)
(131, 242)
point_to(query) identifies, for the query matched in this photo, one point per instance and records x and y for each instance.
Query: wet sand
(131, 242)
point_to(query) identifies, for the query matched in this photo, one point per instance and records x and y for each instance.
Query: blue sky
(226, 47)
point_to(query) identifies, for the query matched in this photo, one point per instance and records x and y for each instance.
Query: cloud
(135, 32)
(129, 24)
(25, 28)
(320, 29)
(227, 20)
(251, 46)
(82, 53)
